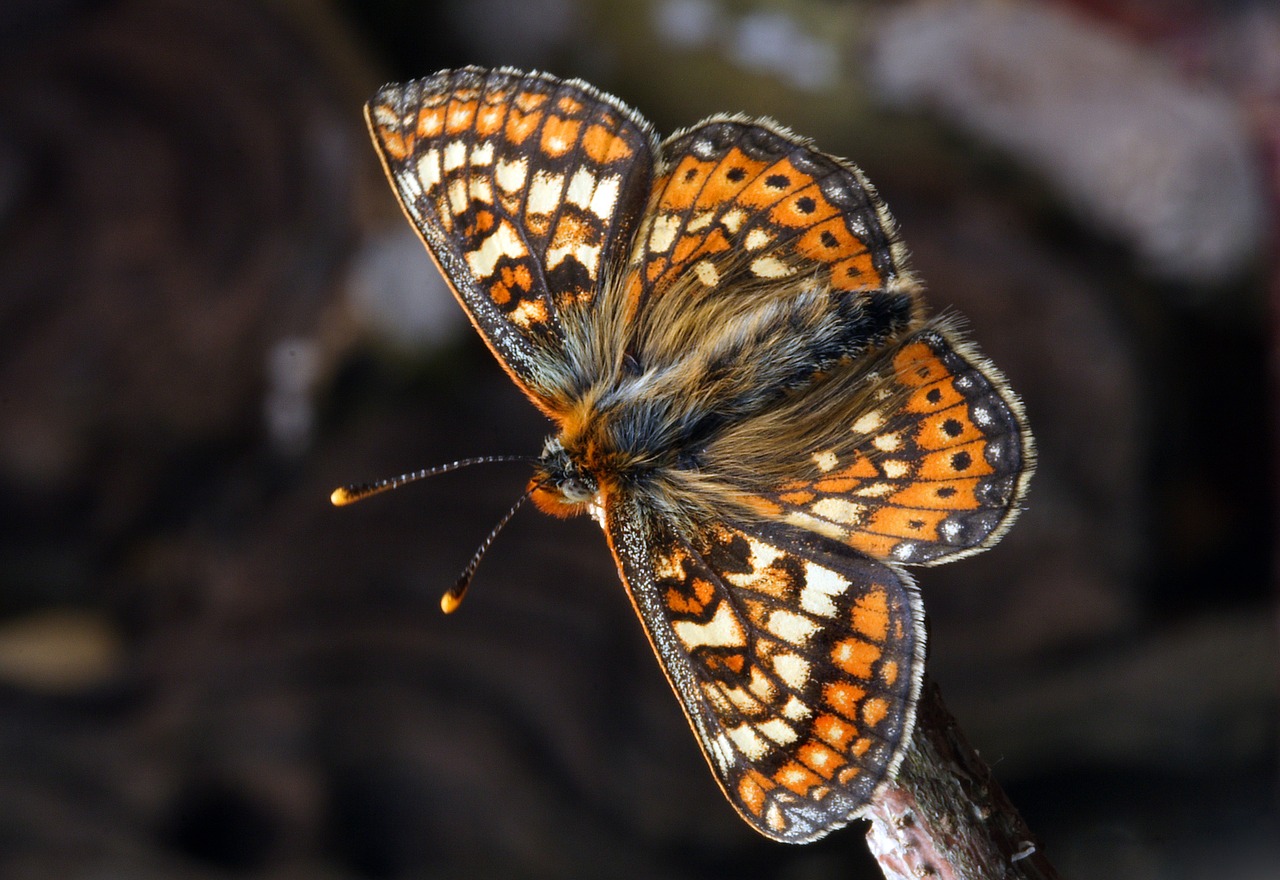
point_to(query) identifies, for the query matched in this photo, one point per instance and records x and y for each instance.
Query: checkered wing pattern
(525, 189)
(739, 204)
(931, 468)
(725, 332)
(797, 661)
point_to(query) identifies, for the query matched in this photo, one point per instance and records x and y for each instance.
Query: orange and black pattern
(932, 473)
(737, 202)
(802, 658)
(523, 187)
(744, 393)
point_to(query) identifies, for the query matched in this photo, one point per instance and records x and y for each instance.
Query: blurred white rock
(1154, 159)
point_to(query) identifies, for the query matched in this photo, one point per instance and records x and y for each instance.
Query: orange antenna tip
(449, 602)
(341, 497)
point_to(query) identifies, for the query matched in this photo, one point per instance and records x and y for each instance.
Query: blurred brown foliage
(206, 671)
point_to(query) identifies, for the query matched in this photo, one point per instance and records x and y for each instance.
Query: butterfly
(745, 393)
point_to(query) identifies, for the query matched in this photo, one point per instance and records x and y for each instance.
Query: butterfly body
(745, 394)
(670, 409)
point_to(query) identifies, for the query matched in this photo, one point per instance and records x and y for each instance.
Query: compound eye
(554, 500)
(576, 489)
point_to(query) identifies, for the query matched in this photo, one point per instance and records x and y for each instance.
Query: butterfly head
(560, 486)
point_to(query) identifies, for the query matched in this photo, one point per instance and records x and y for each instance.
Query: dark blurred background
(213, 313)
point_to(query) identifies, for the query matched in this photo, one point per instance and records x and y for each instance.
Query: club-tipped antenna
(354, 492)
(452, 598)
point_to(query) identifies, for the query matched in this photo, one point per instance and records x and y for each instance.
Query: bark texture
(945, 816)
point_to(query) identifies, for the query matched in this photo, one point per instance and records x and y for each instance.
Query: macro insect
(745, 393)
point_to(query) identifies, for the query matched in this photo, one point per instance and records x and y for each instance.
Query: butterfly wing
(926, 460)
(741, 206)
(797, 660)
(526, 190)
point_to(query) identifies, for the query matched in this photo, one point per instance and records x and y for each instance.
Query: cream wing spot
(605, 197)
(455, 155)
(887, 442)
(529, 312)
(585, 254)
(770, 267)
(721, 752)
(723, 630)
(792, 628)
(869, 423)
(895, 469)
(779, 731)
(821, 587)
(761, 686)
(839, 510)
(792, 669)
(429, 169)
(411, 186)
(502, 242)
(875, 490)
(458, 199)
(700, 221)
(748, 741)
(481, 190)
(825, 460)
(796, 709)
(511, 175)
(762, 555)
(544, 192)
(802, 520)
(483, 154)
(669, 568)
(741, 700)
(774, 816)
(706, 273)
(663, 233)
(719, 697)
(580, 188)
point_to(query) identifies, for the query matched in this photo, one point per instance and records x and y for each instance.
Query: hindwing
(797, 660)
(933, 466)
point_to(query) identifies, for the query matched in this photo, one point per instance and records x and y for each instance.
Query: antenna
(353, 492)
(452, 598)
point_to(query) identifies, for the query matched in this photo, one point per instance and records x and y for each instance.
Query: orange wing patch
(935, 473)
(744, 201)
(524, 188)
(788, 654)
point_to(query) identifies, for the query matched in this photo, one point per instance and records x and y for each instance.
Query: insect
(745, 394)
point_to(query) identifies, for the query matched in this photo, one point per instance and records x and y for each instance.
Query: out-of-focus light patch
(396, 293)
(1150, 157)
(293, 366)
(687, 23)
(771, 42)
(59, 651)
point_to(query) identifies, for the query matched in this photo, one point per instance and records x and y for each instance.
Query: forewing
(526, 190)
(797, 661)
(739, 204)
(934, 466)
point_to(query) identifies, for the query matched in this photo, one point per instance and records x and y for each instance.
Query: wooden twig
(945, 816)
